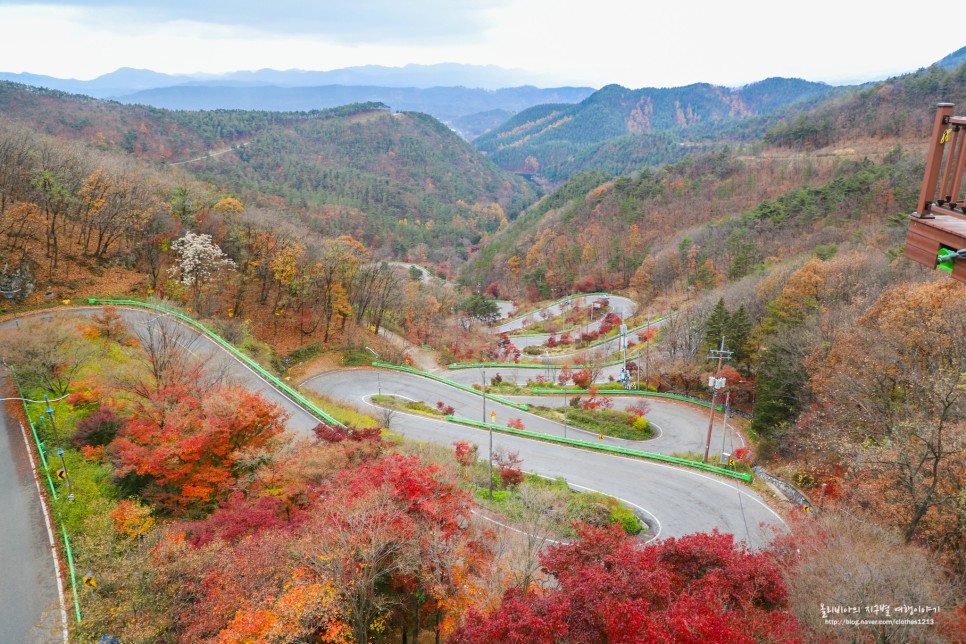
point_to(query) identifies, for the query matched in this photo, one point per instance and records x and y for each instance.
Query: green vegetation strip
(603, 448)
(53, 493)
(498, 399)
(623, 392)
(538, 365)
(595, 343)
(291, 393)
(552, 304)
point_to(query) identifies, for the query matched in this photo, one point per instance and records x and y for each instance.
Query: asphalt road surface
(678, 500)
(675, 501)
(623, 306)
(30, 609)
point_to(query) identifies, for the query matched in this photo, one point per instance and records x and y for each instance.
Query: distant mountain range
(125, 81)
(469, 98)
(954, 59)
(448, 104)
(638, 126)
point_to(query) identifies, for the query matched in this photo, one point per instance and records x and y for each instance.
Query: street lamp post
(378, 378)
(60, 450)
(625, 374)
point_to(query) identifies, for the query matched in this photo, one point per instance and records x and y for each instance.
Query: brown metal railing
(947, 154)
(938, 227)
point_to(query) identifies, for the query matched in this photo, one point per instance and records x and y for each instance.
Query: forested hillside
(548, 139)
(392, 180)
(444, 103)
(779, 234)
(819, 171)
(791, 249)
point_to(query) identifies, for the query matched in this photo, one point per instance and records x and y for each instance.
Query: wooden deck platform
(940, 218)
(927, 236)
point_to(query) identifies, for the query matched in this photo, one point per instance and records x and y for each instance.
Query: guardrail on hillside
(635, 392)
(273, 379)
(568, 298)
(543, 365)
(625, 392)
(499, 399)
(53, 493)
(574, 442)
(539, 365)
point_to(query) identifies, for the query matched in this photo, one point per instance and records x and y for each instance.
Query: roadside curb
(573, 442)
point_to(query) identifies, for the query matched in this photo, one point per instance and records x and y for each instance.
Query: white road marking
(50, 533)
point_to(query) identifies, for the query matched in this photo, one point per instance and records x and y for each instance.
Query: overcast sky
(635, 43)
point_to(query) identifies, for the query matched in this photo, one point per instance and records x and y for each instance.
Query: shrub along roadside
(609, 422)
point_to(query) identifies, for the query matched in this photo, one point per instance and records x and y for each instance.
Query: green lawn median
(601, 447)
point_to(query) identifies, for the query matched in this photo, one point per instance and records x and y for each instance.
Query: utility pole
(483, 391)
(647, 356)
(715, 383)
(724, 433)
(625, 374)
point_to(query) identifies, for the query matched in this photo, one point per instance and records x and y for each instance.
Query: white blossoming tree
(199, 260)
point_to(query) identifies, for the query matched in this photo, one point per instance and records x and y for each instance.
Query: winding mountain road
(679, 500)
(675, 501)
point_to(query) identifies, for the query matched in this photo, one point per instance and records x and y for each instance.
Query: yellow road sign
(62, 475)
(89, 581)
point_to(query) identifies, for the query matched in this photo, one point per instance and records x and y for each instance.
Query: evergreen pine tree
(717, 325)
(738, 335)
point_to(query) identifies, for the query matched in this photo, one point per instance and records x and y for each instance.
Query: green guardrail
(458, 385)
(646, 325)
(53, 494)
(552, 304)
(275, 380)
(538, 365)
(624, 451)
(624, 392)
(541, 365)
(595, 343)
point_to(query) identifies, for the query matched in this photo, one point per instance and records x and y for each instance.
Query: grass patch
(355, 357)
(345, 415)
(608, 422)
(306, 353)
(549, 506)
(414, 406)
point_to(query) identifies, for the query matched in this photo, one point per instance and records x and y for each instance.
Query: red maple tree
(701, 587)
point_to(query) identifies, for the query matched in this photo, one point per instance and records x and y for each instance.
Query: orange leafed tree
(187, 448)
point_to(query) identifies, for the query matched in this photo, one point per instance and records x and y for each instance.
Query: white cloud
(632, 43)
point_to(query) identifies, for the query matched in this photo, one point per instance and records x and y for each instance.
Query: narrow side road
(30, 603)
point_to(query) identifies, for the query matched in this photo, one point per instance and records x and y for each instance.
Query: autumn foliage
(701, 587)
(185, 447)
